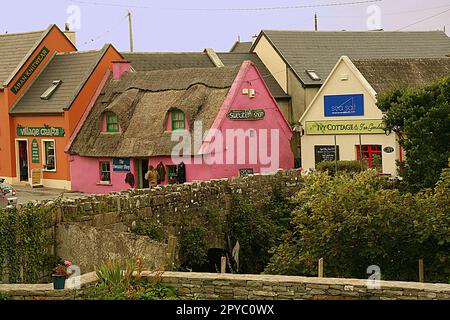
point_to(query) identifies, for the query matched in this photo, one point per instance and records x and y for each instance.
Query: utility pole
(316, 28)
(131, 30)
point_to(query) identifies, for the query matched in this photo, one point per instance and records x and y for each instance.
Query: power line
(425, 19)
(106, 32)
(334, 4)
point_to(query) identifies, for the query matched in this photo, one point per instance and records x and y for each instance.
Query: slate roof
(387, 74)
(142, 101)
(233, 58)
(241, 47)
(14, 49)
(149, 61)
(320, 50)
(73, 69)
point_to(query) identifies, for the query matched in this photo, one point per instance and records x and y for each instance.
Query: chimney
(316, 27)
(214, 57)
(120, 68)
(70, 34)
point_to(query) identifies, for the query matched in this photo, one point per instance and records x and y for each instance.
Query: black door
(23, 160)
(145, 183)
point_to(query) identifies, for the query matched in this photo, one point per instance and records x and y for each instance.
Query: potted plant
(60, 275)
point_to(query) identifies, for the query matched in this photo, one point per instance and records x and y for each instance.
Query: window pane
(105, 174)
(178, 120)
(112, 122)
(49, 153)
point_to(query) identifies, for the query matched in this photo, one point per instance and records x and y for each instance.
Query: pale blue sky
(180, 26)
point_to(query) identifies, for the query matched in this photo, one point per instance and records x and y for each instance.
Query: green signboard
(345, 127)
(40, 131)
(30, 70)
(34, 151)
(250, 114)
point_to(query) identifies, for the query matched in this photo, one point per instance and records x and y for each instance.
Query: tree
(421, 117)
(355, 221)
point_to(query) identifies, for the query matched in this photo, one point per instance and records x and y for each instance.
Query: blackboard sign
(325, 153)
(121, 165)
(245, 172)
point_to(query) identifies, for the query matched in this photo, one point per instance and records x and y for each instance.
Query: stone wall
(208, 286)
(89, 247)
(175, 207)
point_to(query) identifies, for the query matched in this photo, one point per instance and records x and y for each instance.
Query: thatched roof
(387, 74)
(142, 101)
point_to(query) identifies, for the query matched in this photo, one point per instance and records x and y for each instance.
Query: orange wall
(68, 120)
(55, 41)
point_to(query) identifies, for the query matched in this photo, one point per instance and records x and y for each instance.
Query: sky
(194, 25)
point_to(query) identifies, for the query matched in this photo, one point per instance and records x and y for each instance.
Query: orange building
(46, 87)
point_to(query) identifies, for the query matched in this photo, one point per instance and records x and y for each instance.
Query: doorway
(22, 157)
(142, 168)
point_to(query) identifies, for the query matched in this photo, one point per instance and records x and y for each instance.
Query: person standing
(152, 176)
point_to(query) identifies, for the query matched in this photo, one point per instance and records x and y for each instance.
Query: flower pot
(59, 281)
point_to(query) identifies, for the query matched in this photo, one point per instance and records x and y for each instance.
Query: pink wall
(85, 176)
(85, 173)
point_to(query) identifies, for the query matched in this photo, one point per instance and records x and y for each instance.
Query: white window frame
(44, 156)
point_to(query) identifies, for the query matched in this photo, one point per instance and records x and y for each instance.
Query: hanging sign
(34, 151)
(326, 153)
(344, 105)
(45, 131)
(121, 165)
(345, 127)
(250, 114)
(30, 70)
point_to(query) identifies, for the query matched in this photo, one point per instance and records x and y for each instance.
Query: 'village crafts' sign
(40, 131)
(30, 70)
(250, 114)
(344, 127)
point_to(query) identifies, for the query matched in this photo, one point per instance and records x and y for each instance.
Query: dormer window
(112, 122)
(51, 90)
(178, 120)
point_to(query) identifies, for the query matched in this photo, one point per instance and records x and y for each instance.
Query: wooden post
(421, 274)
(223, 264)
(320, 275)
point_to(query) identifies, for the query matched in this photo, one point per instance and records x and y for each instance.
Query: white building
(344, 111)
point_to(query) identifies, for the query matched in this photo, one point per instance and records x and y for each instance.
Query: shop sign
(388, 149)
(344, 105)
(245, 172)
(30, 70)
(121, 165)
(34, 151)
(326, 153)
(45, 131)
(250, 114)
(344, 127)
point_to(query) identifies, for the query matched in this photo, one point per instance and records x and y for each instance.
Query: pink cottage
(189, 124)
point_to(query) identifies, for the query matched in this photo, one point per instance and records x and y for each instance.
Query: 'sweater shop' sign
(344, 127)
(40, 131)
(30, 70)
(250, 114)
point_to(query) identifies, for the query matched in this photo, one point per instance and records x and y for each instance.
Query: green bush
(257, 229)
(4, 296)
(150, 229)
(354, 221)
(194, 247)
(342, 166)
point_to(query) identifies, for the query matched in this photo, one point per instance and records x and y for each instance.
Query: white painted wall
(355, 84)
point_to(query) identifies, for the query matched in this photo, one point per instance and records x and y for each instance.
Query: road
(27, 194)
